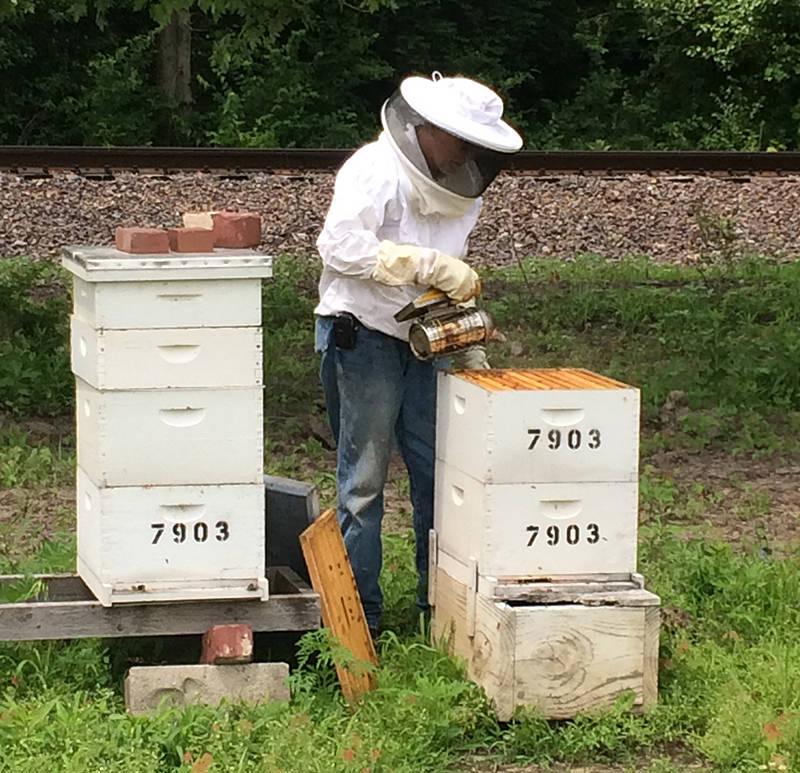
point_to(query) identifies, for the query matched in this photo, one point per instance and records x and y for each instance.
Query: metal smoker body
(442, 328)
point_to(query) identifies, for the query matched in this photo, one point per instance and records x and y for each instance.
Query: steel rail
(27, 159)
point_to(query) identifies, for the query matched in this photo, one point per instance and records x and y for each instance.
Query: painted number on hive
(192, 532)
(570, 535)
(572, 439)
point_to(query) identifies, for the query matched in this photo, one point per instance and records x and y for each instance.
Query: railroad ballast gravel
(678, 220)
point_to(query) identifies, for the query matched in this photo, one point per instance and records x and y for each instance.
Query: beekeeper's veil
(465, 109)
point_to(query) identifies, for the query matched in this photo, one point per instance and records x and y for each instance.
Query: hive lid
(544, 378)
(108, 264)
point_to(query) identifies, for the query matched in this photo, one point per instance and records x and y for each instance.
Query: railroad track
(30, 160)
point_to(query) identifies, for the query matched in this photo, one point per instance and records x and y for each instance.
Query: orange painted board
(332, 577)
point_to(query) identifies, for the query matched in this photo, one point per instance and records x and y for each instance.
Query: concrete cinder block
(148, 687)
(141, 241)
(237, 229)
(191, 239)
(231, 643)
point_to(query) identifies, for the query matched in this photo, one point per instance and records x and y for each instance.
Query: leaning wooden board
(332, 577)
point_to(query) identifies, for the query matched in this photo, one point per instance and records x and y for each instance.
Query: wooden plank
(493, 663)
(564, 658)
(567, 578)
(68, 614)
(342, 612)
(572, 659)
(652, 630)
(489, 654)
(552, 593)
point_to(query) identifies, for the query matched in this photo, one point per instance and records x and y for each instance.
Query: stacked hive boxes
(167, 354)
(533, 575)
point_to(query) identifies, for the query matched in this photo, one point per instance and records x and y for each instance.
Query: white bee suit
(375, 200)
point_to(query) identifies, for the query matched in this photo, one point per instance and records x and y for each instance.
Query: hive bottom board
(63, 607)
(564, 659)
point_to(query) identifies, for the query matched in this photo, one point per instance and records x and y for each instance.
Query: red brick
(237, 229)
(231, 643)
(141, 240)
(191, 239)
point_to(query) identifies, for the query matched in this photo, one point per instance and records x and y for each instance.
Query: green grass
(730, 671)
(714, 351)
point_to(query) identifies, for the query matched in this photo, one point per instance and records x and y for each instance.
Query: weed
(22, 464)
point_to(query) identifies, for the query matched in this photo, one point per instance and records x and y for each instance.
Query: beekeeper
(402, 211)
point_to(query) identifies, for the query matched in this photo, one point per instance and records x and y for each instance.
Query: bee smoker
(442, 328)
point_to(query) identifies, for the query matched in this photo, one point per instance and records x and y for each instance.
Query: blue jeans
(377, 394)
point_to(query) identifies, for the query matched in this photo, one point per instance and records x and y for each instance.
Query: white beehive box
(535, 530)
(169, 411)
(563, 658)
(164, 437)
(162, 358)
(526, 426)
(123, 304)
(159, 543)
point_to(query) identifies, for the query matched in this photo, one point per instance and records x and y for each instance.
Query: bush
(35, 373)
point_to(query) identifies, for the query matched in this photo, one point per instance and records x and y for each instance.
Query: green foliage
(34, 339)
(278, 74)
(729, 687)
(117, 84)
(22, 464)
(290, 367)
(724, 334)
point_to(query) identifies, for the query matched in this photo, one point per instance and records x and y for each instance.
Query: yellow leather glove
(407, 264)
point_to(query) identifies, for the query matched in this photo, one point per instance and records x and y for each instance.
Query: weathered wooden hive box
(533, 555)
(565, 648)
(167, 354)
(537, 471)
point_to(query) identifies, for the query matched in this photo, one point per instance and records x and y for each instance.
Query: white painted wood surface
(170, 437)
(526, 530)
(171, 542)
(564, 659)
(167, 352)
(166, 358)
(537, 436)
(165, 303)
(107, 264)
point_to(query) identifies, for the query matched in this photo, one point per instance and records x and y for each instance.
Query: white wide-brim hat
(464, 107)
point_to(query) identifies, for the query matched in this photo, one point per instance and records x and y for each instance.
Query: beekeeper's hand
(473, 358)
(407, 264)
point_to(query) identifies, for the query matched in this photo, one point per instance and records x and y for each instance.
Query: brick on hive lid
(191, 239)
(237, 229)
(141, 241)
(199, 219)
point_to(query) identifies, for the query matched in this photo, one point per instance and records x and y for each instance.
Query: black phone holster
(345, 328)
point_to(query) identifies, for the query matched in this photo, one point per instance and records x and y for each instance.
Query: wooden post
(332, 577)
